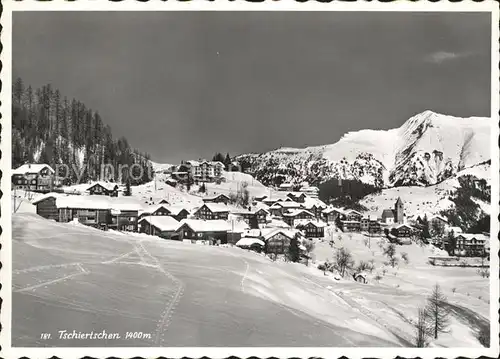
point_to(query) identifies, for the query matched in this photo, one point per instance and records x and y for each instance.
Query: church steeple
(399, 211)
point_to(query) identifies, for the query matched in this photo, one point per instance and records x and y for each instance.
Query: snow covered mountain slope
(432, 147)
(425, 150)
(431, 199)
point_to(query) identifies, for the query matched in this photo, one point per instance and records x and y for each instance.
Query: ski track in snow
(167, 313)
(43, 284)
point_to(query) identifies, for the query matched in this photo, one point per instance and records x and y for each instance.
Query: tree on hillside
(293, 250)
(227, 162)
(437, 311)
(338, 222)
(437, 229)
(202, 188)
(451, 243)
(128, 190)
(218, 157)
(422, 329)
(343, 261)
(253, 223)
(425, 234)
(390, 252)
(309, 245)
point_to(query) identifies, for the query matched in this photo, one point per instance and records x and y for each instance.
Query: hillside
(437, 199)
(48, 127)
(207, 295)
(427, 149)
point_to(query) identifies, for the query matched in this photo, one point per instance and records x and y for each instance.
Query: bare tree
(364, 266)
(343, 261)
(393, 261)
(309, 245)
(437, 312)
(404, 256)
(422, 329)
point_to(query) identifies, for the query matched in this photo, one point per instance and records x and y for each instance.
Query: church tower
(399, 211)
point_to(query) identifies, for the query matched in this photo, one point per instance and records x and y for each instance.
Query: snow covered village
(378, 238)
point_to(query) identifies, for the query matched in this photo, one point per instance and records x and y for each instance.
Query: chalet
(164, 201)
(161, 226)
(236, 230)
(285, 187)
(261, 214)
(206, 171)
(34, 177)
(197, 229)
(317, 210)
(260, 198)
(471, 245)
(401, 233)
(280, 208)
(370, 224)
(251, 243)
(331, 214)
(212, 211)
(350, 226)
(352, 215)
(310, 191)
(158, 210)
(102, 213)
(297, 214)
(244, 215)
(298, 197)
(220, 198)
(311, 228)
(360, 277)
(103, 188)
(178, 212)
(278, 240)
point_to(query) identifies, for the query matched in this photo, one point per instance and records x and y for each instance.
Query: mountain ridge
(426, 149)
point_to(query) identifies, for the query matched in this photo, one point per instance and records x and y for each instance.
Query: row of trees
(48, 127)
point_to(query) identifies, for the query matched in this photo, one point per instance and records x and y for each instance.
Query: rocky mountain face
(427, 149)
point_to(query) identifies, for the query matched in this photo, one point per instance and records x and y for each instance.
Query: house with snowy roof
(161, 226)
(472, 245)
(103, 212)
(278, 240)
(285, 187)
(330, 214)
(299, 197)
(400, 233)
(311, 228)
(251, 243)
(353, 215)
(297, 214)
(156, 210)
(219, 198)
(206, 171)
(370, 223)
(280, 208)
(212, 211)
(311, 191)
(103, 188)
(34, 177)
(315, 206)
(178, 212)
(199, 229)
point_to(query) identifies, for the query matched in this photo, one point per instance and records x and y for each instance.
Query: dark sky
(183, 85)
